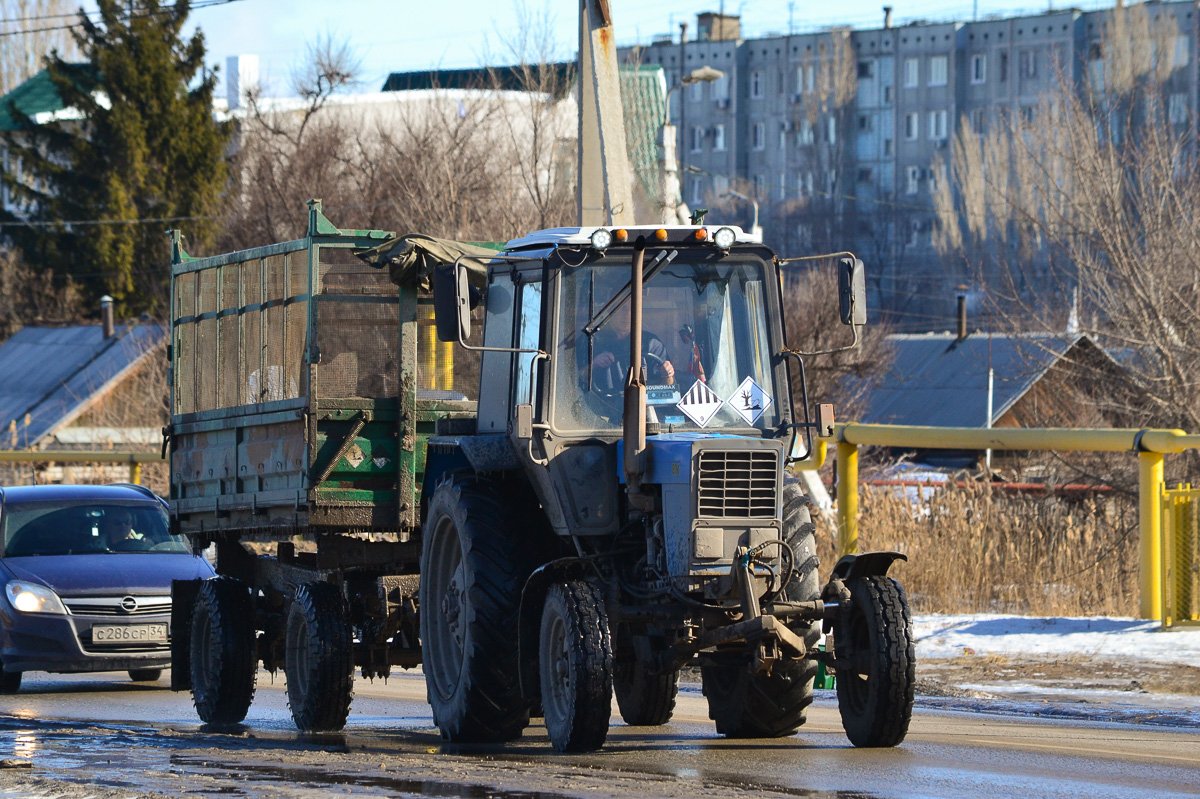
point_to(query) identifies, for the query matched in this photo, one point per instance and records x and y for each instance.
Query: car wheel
(145, 675)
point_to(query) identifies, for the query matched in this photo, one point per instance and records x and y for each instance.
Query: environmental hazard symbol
(700, 404)
(749, 400)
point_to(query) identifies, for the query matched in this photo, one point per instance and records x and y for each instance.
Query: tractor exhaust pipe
(634, 419)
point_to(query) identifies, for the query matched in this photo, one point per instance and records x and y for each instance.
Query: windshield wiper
(602, 316)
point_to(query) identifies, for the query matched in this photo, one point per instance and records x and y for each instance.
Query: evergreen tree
(145, 155)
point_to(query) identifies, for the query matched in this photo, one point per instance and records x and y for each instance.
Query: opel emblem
(129, 604)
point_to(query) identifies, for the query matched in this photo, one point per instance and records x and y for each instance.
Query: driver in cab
(116, 528)
(610, 363)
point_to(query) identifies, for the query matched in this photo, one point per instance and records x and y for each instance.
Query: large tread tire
(145, 675)
(876, 703)
(224, 658)
(10, 681)
(319, 658)
(644, 699)
(773, 705)
(575, 667)
(471, 580)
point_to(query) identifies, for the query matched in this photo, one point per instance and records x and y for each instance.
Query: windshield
(705, 348)
(82, 527)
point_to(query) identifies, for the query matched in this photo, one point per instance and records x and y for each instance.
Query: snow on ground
(1097, 636)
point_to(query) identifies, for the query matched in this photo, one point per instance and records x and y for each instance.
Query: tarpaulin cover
(410, 258)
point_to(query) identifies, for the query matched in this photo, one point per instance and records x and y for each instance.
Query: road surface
(101, 736)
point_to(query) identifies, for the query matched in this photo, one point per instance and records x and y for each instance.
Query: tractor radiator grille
(738, 484)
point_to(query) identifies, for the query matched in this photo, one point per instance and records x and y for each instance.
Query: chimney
(962, 316)
(887, 17)
(241, 77)
(106, 316)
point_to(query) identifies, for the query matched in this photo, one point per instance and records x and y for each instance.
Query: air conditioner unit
(723, 103)
(789, 126)
(797, 98)
(939, 144)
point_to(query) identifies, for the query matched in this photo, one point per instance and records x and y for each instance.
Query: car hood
(109, 573)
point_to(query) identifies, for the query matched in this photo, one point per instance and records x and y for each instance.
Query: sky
(407, 35)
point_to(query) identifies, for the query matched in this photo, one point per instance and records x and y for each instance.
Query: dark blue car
(86, 573)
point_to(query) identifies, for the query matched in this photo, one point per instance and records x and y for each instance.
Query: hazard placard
(700, 404)
(749, 400)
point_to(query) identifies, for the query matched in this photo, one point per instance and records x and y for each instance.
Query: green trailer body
(295, 402)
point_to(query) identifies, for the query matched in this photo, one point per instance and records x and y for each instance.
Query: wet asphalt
(104, 730)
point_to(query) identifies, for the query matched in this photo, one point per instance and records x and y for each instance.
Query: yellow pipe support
(1003, 438)
(77, 456)
(847, 498)
(815, 459)
(135, 473)
(1150, 487)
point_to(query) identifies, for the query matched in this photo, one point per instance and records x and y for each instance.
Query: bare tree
(31, 30)
(29, 296)
(1096, 188)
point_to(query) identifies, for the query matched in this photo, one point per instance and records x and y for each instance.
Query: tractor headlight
(724, 238)
(601, 239)
(33, 598)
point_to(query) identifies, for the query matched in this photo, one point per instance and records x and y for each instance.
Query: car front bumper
(58, 643)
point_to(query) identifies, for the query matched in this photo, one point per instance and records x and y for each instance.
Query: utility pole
(683, 137)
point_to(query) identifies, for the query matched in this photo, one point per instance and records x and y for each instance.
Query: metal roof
(54, 373)
(37, 98)
(936, 380)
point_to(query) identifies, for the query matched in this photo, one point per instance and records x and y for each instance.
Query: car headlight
(33, 598)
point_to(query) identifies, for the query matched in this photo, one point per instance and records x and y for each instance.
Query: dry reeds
(972, 550)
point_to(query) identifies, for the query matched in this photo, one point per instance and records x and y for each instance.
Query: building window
(804, 183)
(937, 124)
(810, 78)
(759, 141)
(978, 69)
(937, 70)
(720, 185)
(912, 126)
(800, 80)
(1029, 63)
(830, 182)
(697, 139)
(783, 132)
(887, 95)
(806, 132)
(696, 91)
(866, 69)
(719, 138)
(757, 79)
(760, 186)
(977, 120)
(720, 88)
(1182, 46)
(831, 130)
(888, 148)
(697, 191)
(911, 69)
(1003, 66)
(1177, 110)
(914, 180)
(937, 178)
(1027, 113)
(864, 122)
(864, 175)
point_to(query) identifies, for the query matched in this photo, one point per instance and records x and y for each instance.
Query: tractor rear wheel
(224, 655)
(471, 580)
(875, 686)
(319, 660)
(575, 667)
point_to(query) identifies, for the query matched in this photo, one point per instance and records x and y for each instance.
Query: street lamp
(673, 210)
(754, 229)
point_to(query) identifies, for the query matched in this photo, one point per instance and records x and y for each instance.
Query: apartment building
(842, 136)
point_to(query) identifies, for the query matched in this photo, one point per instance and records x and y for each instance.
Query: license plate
(130, 633)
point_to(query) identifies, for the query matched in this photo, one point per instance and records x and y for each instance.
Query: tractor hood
(669, 455)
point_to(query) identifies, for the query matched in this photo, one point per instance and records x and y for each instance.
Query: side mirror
(451, 303)
(852, 291)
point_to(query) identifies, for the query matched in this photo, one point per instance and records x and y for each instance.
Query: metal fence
(1181, 556)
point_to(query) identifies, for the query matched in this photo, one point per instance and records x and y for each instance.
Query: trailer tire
(224, 659)
(319, 659)
(746, 705)
(575, 667)
(471, 579)
(644, 699)
(876, 700)
(145, 675)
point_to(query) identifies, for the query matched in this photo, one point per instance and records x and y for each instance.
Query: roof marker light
(724, 238)
(701, 235)
(621, 234)
(601, 239)
(661, 234)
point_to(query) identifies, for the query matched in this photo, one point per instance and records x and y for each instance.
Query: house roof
(936, 380)
(37, 97)
(53, 374)
(510, 77)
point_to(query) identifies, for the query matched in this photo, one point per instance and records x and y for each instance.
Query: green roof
(38, 95)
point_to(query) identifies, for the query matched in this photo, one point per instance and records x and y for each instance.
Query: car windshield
(705, 348)
(81, 527)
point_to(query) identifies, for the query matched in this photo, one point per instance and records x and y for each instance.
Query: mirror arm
(853, 345)
(807, 424)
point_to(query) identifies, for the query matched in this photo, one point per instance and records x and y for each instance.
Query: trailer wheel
(471, 582)
(319, 659)
(145, 675)
(875, 694)
(575, 667)
(644, 699)
(224, 660)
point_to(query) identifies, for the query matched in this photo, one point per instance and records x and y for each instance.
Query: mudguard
(868, 564)
(183, 600)
(533, 597)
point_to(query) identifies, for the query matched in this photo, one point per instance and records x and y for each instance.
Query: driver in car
(117, 527)
(610, 364)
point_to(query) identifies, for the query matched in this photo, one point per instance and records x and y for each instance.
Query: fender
(533, 597)
(183, 600)
(868, 564)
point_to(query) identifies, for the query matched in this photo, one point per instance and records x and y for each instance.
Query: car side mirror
(451, 303)
(852, 291)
